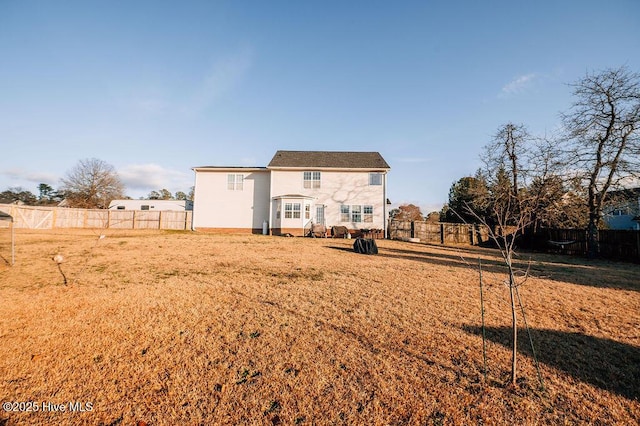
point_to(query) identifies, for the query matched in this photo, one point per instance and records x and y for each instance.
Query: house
(622, 210)
(159, 205)
(296, 190)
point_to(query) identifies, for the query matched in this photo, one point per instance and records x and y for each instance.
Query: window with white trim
(356, 214)
(307, 211)
(375, 178)
(292, 210)
(344, 213)
(367, 212)
(235, 182)
(311, 179)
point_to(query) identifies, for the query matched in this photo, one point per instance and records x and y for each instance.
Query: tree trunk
(514, 324)
(593, 248)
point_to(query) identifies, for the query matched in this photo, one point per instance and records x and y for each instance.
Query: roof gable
(328, 159)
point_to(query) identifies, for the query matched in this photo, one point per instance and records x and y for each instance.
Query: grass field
(165, 328)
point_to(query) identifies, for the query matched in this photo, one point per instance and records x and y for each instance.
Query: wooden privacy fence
(614, 243)
(440, 232)
(29, 217)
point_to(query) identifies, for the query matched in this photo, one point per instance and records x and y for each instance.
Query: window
(367, 211)
(375, 178)
(307, 211)
(235, 182)
(311, 180)
(278, 210)
(292, 210)
(320, 214)
(144, 207)
(120, 207)
(356, 214)
(344, 213)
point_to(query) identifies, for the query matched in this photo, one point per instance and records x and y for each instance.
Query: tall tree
(602, 129)
(92, 183)
(465, 199)
(45, 191)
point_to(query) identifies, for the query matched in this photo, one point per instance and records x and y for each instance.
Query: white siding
(336, 188)
(216, 206)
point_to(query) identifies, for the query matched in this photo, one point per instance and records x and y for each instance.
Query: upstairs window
(235, 182)
(311, 180)
(375, 178)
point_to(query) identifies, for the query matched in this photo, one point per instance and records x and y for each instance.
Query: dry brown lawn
(165, 328)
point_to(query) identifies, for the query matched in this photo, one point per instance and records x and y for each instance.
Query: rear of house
(295, 191)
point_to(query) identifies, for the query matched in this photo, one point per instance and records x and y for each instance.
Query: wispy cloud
(225, 74)
(518, 85)
(148, 177)
(31, 176)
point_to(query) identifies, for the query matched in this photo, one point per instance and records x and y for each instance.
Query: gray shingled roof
(329, 159)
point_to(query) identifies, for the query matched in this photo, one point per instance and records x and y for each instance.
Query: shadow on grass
(599, 273)
(604, 363)
(347, 249)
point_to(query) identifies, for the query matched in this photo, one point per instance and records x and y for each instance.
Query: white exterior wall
(215, 206)
(337, 187)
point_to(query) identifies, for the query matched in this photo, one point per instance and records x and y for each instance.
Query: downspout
(270, 220)
(384, 206)
(193, 207)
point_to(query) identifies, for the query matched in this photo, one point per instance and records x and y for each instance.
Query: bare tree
(604, 139)
(507, 208)
(92, 183)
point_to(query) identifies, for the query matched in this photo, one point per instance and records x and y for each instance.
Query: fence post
(442, 233)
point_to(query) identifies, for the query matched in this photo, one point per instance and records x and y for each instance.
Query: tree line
(91, 184)
(563, 180)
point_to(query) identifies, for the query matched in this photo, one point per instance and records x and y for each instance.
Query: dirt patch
(187, 328)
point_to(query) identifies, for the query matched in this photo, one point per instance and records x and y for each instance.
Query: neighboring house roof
(328, 159)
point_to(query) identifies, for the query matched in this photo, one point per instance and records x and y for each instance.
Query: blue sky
(157, 87)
